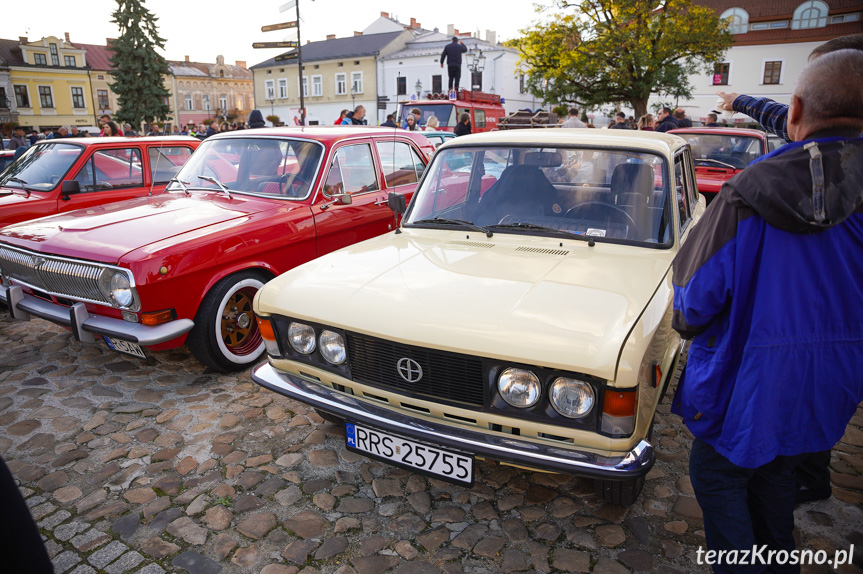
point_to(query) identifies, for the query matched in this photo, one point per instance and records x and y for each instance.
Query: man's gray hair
(831, 87)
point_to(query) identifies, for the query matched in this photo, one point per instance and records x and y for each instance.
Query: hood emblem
(409, 370)
(39, 262)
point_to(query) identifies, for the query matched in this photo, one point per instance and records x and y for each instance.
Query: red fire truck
(485, 110)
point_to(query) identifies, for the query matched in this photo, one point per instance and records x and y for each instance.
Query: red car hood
(710, 180)
(107, 232)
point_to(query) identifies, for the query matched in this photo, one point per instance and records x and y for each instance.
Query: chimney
(331, 36)
(385, 14)
(491, 37)
(23, 39)
(415, 24)
(456, 32)
(357, 33)
(241, 63)
(68, 41)
(187, 58)
(450, 30)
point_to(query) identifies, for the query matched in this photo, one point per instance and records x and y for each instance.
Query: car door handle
(382, 202)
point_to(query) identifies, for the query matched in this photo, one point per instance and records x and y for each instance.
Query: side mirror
(396, 202)
(343, 198)
(70, 187)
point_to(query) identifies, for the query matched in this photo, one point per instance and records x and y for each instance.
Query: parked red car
(61, 175)
(721, 153)
(183, 266)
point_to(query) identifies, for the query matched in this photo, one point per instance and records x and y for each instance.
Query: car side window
(352, 171)
(397, 163)
(112, 169)
(682, 190)
(479, 118)
(165, 162)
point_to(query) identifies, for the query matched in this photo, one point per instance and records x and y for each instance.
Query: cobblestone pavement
(159, 466)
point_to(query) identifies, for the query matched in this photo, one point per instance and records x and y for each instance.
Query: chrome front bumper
(85, 326)
(512, 450)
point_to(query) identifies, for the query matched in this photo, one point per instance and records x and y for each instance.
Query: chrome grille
(55, 275)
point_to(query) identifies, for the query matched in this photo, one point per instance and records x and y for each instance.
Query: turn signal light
(618, 411)
(266, 328)
(158, 317)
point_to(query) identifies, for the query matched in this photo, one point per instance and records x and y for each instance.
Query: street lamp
(419, 88)
(476, 64)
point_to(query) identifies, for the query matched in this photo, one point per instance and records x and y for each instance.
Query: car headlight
(571, 398)
(121, 290)
(333, 347)
(301, 338)
(519, 388)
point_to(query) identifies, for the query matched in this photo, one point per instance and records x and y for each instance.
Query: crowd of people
(665, 119)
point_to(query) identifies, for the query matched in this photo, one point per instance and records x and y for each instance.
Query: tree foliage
(138, 70)
(592, 52)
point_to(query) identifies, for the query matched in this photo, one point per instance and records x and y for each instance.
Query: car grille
(446, 376)
(55, 275)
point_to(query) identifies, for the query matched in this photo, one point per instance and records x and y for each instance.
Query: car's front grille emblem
(409, 370)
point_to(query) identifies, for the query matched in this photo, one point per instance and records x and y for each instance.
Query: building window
(283, 88)
(341, 84)
(738, 20)
(772, 72)
(40, 59)
(844, 18)
(55, 58)
(437, 84)
(356, 82)
(206, 102)
(22, 98)
(69, 61)
(812, 14)
(270, 89)
(46, 99)
(3, 102)
(401, 86)
(223, 102)
(317, 85)
(240, 103)
(189, 103)
(78, 98)
(102, 96)
(521, 88)
(720, 74)
(305, 86)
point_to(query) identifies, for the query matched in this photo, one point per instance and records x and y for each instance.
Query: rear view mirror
(396, 202)
(343, 198)
(70, 187)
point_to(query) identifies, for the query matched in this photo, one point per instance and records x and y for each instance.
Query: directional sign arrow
(288, 6)
(282, 26)
(291, 44)
(289, 57)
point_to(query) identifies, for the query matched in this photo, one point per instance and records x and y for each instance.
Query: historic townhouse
(219, 91)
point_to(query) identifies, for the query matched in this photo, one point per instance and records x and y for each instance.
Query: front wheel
(621, 492)
(226, 335)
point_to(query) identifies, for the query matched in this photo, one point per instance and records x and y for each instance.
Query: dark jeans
(813, 477)
(745, 507)
(20, 543)
(454, 76)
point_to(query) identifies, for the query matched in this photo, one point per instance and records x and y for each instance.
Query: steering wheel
(611, 211)
(297, 183)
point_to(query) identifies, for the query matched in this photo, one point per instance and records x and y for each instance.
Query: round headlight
(571, 398)
(519, 387)
(333, 347)
(121, 290)
(302, 338)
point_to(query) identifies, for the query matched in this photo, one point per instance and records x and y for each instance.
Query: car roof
(96, 140)
(438, 133)
(322, 133)
(657, 142)
(747, 132)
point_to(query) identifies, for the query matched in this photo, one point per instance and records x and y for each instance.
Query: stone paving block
(55, 519)
(195, 563)
(108, 554)
(89, 540)
(64, 561)
(83, 569)
(151, 569)
(65, 532)
(125, 563)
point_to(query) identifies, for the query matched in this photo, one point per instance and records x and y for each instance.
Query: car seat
(522, 190)
(632, 189)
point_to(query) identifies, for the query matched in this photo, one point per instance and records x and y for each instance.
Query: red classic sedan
(183, 266)
(721, 153)
(60, 175)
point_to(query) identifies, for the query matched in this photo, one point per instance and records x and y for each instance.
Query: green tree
(138, 69)
(591, 52)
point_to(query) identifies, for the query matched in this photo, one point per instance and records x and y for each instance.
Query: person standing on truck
(452, 53)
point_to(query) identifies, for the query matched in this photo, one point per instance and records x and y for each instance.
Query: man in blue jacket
(765, 286)
(452, 53)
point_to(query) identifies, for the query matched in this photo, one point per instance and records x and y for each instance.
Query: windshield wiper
(23, 183)
(217, 182)
(535, 227)
(182, 184)
(722, 163)
(458, 222)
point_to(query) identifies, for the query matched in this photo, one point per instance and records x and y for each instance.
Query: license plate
(443, 464)
(126, 347)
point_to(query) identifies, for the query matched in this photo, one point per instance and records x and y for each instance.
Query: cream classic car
(521, 313)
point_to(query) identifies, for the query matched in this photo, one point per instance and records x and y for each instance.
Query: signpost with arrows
(288, 57)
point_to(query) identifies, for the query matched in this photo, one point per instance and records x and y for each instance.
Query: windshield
(274, 167)
(444, 112)
(735, 151)
(41, 167)
(614, 195)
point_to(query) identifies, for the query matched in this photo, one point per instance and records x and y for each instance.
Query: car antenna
(153, 171)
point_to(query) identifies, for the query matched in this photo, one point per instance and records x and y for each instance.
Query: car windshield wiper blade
(458, 222)
(217, 182)
(182, 184)
(23, 184)
(535, 227)
(722, 163)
